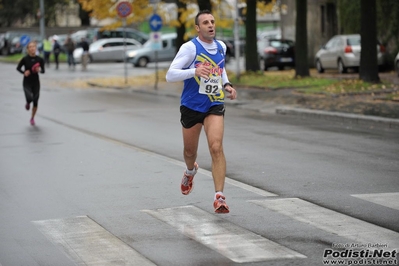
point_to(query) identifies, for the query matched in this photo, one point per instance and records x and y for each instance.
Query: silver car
(141, 57)
(343, 52)
(112, 49)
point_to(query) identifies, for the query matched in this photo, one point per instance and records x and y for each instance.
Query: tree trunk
(204, 5)
(181, 30)
(251, 50)
(368, 31)
(301, 40)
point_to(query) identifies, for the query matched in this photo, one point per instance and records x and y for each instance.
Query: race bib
(211, 86)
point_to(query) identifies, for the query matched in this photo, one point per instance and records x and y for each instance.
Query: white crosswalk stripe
(390, 200)
(87, 243)
(342, 225)
(232, 241)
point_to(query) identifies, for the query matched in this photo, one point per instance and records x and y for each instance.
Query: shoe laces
(185, 180)
(220, 198)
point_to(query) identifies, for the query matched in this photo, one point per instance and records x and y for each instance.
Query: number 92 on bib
(211, 86)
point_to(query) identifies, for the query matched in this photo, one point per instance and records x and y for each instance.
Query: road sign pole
(156, 25)
(124, 48)
(124, 9)
(156, 69)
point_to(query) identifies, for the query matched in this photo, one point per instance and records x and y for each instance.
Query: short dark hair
(206, 11)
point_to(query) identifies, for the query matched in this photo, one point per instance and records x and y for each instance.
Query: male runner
(200, 64)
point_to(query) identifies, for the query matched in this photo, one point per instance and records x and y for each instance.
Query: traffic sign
(124, 9)
(156, 40)
(155, 22)
(24, 40)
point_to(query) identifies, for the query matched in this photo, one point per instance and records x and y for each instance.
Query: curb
(286, 110)
(343, 117)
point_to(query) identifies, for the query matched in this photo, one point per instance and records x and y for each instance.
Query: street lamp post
(42, 29)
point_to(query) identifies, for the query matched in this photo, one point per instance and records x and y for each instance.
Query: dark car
(278, 53)
(10, 41)
(230, 47)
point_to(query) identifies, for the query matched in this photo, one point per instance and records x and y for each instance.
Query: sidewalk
(283, 104)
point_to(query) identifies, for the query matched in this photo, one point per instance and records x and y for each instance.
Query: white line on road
(390, 200)
(230, 181)
(232, 241)
(331, 221)
(87, 243)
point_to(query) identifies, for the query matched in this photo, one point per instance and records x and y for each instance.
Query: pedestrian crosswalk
(390, 200)
(232, 241)
(353, 229)
(85, 241)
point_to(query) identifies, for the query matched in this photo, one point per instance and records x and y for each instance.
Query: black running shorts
(189, 117)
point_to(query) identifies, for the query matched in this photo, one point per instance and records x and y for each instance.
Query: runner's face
(32, 49)
(206, 27)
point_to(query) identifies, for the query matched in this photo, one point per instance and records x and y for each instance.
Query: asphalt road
(96, 182)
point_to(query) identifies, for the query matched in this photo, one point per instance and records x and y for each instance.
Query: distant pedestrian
(56, 50)
(70, 47)
(32, 65)
(85, 55)
(47, 47)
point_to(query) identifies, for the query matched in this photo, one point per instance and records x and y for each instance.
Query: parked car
(112, 49)
(10, 43)
(343, 52)
(276, 53)
(141, 57)
(397, 64)
(94, 34)
(269, 34)
(2, 41)
(230, 47)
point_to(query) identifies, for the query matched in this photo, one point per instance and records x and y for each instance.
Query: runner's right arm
(178, 68)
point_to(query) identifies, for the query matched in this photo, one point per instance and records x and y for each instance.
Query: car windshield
(147, 44)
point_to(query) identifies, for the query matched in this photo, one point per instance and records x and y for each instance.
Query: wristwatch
(228, 83)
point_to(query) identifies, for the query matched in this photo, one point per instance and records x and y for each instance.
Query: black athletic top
(28, 62)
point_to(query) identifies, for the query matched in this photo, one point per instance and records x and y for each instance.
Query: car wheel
(142, 62)
(265, 66)
(397, 67)
(341, 67)
(319, 67)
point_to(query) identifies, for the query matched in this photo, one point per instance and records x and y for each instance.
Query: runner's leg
(190, 142)
(214, 129)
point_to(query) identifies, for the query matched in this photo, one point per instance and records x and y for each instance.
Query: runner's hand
(203, 71)
(232, 91)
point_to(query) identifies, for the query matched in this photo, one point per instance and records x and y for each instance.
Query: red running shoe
(32, 121)
(220, 204)
(187, 181)
(27, 106)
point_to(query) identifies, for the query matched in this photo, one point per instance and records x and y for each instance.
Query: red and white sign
(124, 9)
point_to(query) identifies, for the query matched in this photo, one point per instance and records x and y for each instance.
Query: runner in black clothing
(32, 65)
